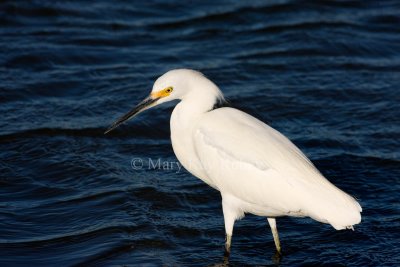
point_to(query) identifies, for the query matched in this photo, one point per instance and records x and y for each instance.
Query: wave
(136, 131)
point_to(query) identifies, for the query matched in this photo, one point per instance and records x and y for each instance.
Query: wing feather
(257, 164)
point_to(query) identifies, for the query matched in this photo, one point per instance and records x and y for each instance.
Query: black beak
(145, 104)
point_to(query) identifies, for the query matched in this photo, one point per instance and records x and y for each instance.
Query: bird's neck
(188, 111)
(184, 120)
(192, 107)
(200, 99)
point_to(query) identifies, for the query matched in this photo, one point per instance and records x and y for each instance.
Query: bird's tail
(339, 209)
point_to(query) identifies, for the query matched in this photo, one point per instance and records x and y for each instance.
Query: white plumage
(256, 168)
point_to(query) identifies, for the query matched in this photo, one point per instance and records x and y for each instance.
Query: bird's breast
(182, 129)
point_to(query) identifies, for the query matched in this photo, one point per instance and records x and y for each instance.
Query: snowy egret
(256, 169)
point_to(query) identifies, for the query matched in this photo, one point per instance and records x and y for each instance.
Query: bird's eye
(169, 90)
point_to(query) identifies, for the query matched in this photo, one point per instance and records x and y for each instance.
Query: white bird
(256, 169)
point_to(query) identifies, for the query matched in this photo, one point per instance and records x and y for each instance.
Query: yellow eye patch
(163, 93)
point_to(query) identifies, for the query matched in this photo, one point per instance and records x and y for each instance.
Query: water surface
(324, 73)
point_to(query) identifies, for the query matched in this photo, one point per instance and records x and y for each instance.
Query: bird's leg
(228, 239)
(272, 224)
(229, 219)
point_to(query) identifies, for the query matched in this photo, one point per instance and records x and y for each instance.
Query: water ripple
(324, 73)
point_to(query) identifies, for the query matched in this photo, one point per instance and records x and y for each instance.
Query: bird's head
(175, 84)
(172, 85)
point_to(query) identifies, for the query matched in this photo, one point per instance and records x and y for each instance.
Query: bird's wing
(255, 163)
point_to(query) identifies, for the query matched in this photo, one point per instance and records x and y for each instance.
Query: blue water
(324, 73)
